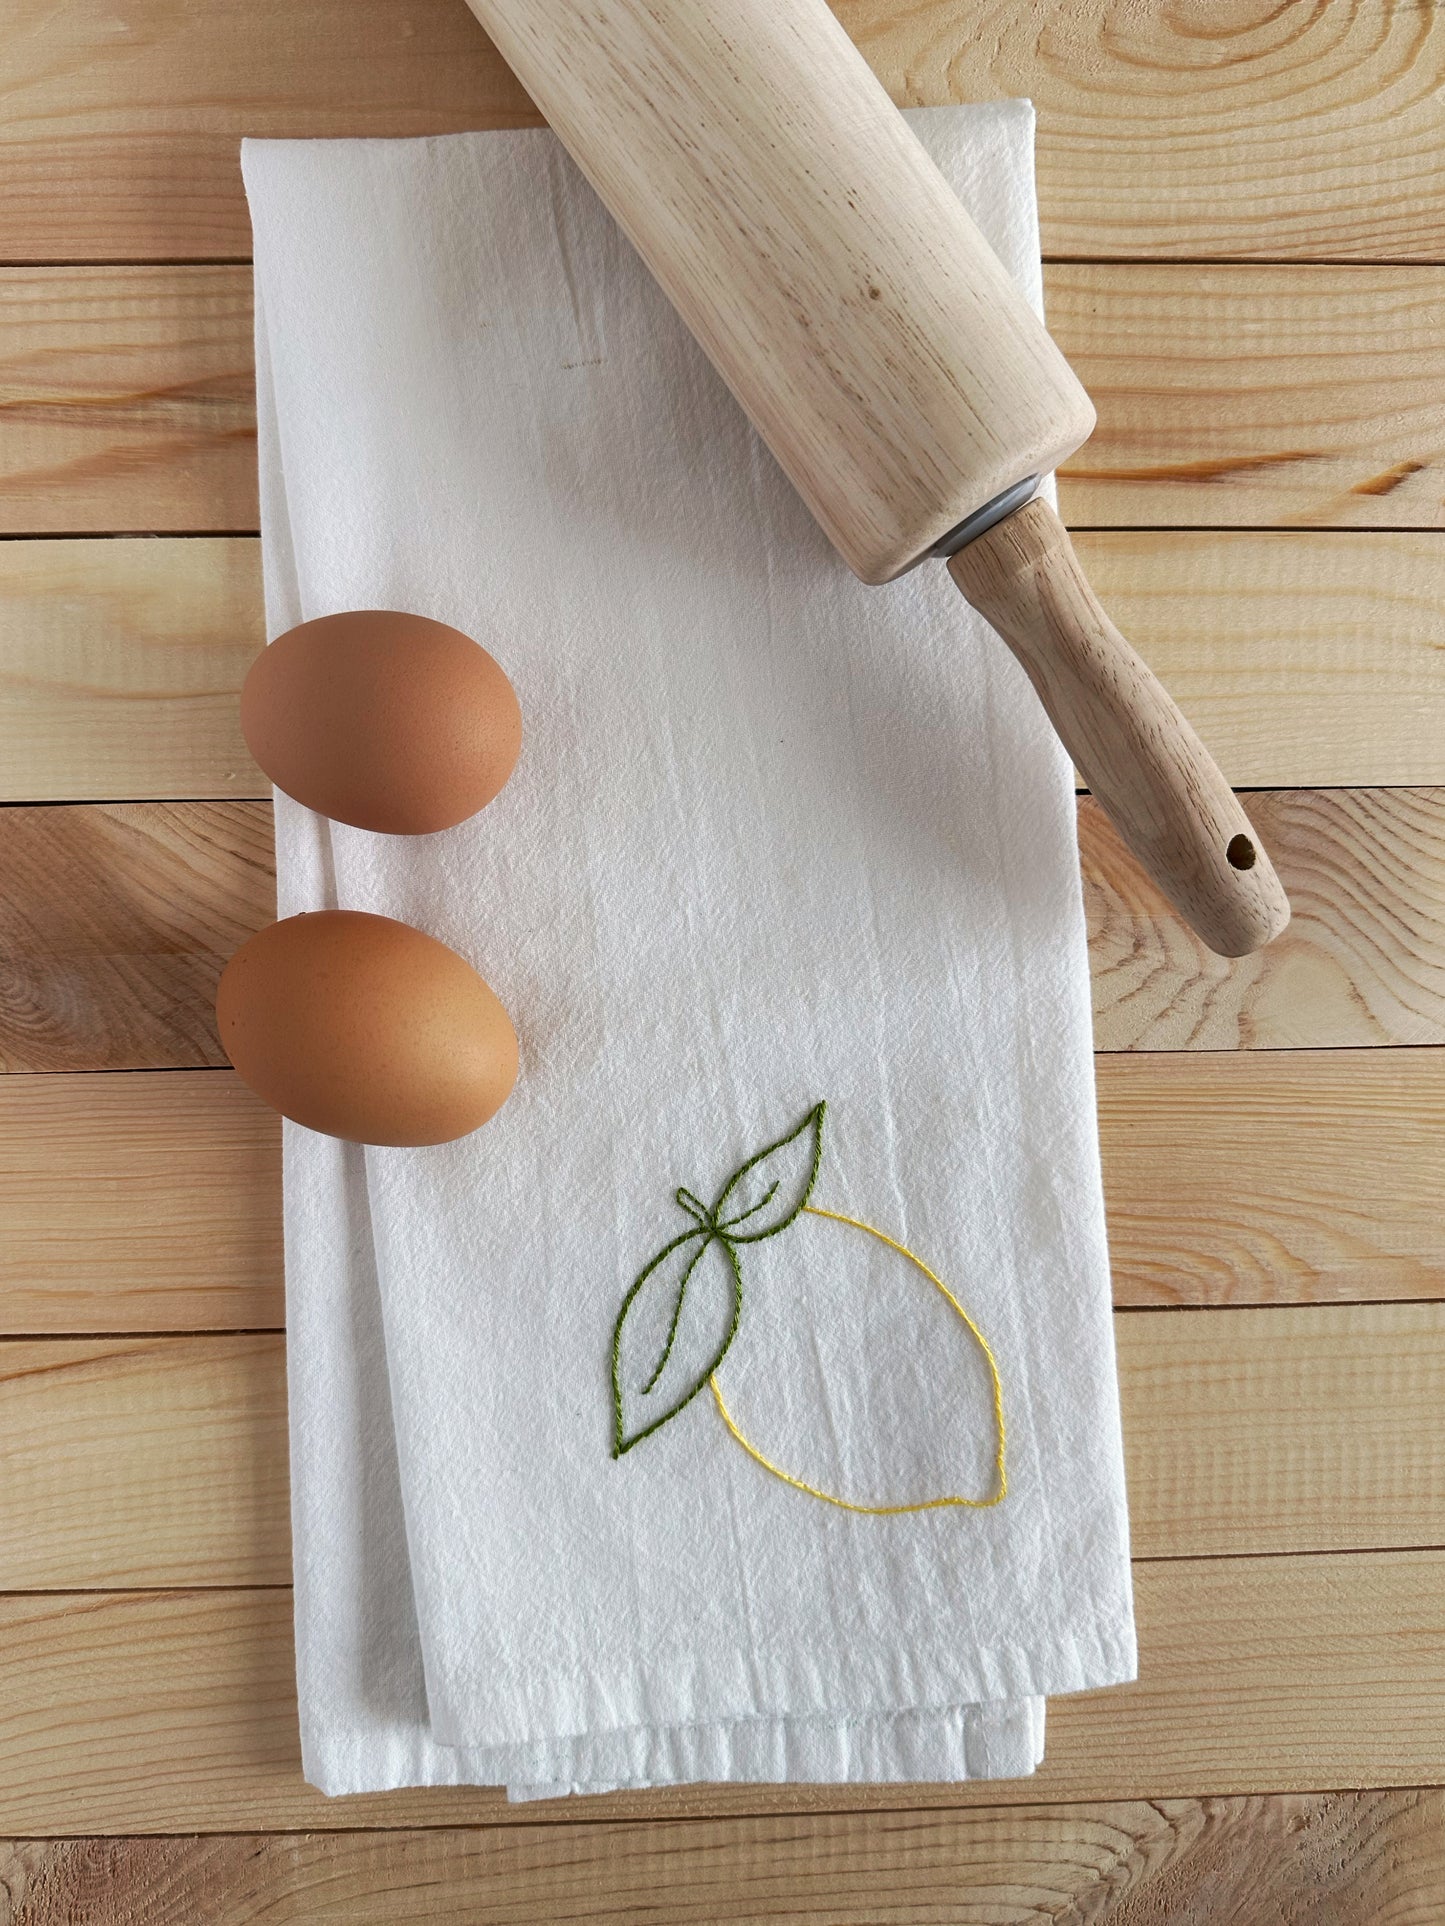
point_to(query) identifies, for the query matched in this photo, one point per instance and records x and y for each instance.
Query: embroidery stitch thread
(710, 1226)
(924, 1504)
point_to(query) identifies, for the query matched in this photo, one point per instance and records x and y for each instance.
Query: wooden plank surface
(1319, 1859)
(1289, 131)
(148, 1462)
(1304, 658)
(1300, 131)
(1274, 1177)
(116, 920)
(120, 666)
(1242, 1169)
(128, 399)
(1304, 1429)
(1363, 959)
(143, 1462)
(121, 132)
(175, 1712)
(1255, 396)
(151, 1203)
(138, 1203)
(1227, 396)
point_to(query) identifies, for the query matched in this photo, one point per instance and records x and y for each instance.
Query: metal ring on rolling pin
(987, 517)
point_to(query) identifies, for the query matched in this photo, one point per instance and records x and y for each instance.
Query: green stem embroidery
(744, 1215)
(695, 1208)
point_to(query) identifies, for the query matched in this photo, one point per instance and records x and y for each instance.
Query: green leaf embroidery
(765, 1194)
(751, 1194)
(672, 1280)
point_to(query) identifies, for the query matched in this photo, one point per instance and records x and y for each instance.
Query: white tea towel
(775, 841)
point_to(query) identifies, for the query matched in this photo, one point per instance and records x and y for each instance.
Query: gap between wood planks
(1234, 396)
(1322, 1670)
(1230, 1177)
(1003, 1809)
(157, 1464)
(1307, 131)
(118, 968)
(1306, 661)
(862, 12)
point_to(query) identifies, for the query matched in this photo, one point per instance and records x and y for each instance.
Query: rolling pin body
(885, 356)
(748, 152)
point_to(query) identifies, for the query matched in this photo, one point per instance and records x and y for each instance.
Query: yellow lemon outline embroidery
(922, 1504)
(792, 1162)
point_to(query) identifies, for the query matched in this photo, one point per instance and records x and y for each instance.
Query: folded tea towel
(783, 899)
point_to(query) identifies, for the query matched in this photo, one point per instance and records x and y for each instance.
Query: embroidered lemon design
(695, 1284)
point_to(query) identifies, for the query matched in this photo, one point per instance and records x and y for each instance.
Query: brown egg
(366, 1029)
(388, 721)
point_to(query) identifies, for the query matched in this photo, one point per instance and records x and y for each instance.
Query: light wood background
(1243, 208)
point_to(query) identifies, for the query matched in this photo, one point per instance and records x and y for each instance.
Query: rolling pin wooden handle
(1135, 750)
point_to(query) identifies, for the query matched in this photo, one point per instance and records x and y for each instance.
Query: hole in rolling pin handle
(1241, 852)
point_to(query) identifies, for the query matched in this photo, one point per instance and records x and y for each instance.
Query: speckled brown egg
(388, 721)
(366, 1029)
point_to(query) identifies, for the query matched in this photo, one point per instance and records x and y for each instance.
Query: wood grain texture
(1249, 396)
(152, 1203)
(143, 1461)
(1321, 1859)
(1161, 789)
(116, 919)
(1292, 131)
(121, 133)
(1309, 1429)
(115, 924)
(1299, 131)
(1228, 396)
(120, 665)
(1362, 962)
(1274, 1177)
(175, 1712)
(1299, 665)
(1300, 658)
(162, 1461)
(138, 1203)
(126, 399)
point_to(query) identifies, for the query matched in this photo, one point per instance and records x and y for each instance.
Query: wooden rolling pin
(887, 359)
